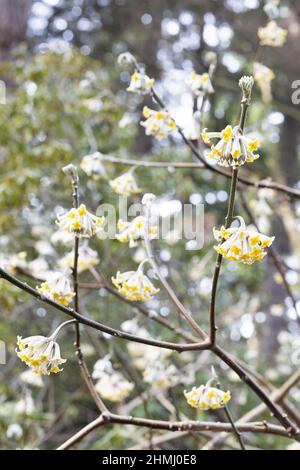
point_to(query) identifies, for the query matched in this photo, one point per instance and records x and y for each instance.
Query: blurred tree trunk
(13, 25)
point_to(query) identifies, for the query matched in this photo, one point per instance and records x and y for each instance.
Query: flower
(158, 123)
(30, 378)
(92, 165)
(102, 366)
(80, 222)
(263, 77)
(40, 353)
(134, 285)
(14, 431)
(114, 387)
(160, 376)
(86, 259)
(126, 59)
(200, 83)
(143, 354)
(242, 243)
(272, 35)
(206, 397)
(233, 148)
(140, 83)
(58, 288)
(125, 184)
(26, 405)
(11, 263)
(131, 232)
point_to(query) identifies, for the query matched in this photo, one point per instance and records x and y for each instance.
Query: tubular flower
(242, 243)
(263, 77)
(131, 232)
(80, 222)
(272, 35)
(207, 398)
(199, 83)
(57, 288)
(114, 387)
(40, 353)
(140, 83)
(233, 148)
(125, 184)
(134, 285)
(86, 259)
(158, 123)
(92, 165)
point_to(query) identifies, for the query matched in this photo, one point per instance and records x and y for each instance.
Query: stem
(235, 430)
(228, 220)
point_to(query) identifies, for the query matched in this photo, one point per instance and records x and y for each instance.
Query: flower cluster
(242, 243)
(92, 165)
(158, 123)
(134, 285)
(200, 83)
(137, 229)
(263, 77)
(40, 353)
(80, 222)
(125, 184)
(233, 148)
(111, 385)
(206, 397)
(58, 288)
(140, 83)
(86, 259)
(272, 35)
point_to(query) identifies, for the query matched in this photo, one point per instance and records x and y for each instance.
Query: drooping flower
(11, 263)
(206, 397)
(158, 123)
(263, 77)
(200, 83)
(134, 285)
(126, 59)
(125, 184)
(114, 387)
(140, 83)
(80, 222)
(92, 165)
(86, 259)
(242, 243)
(233, 148)
(58, 288)
(272, 35)
(143, 354)
(40, 353)
(160, 375)
(132, 232)
(28, 377)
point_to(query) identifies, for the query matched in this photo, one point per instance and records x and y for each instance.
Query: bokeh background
(66, 98)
